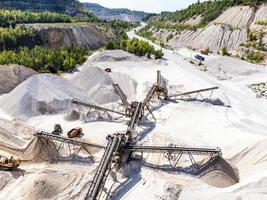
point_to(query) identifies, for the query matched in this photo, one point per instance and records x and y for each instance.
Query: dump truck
(9, 163)
(75, 132)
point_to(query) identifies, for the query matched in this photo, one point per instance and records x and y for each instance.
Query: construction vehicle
(57, 130)
(75, 132)
(9, 164)
(199, 57)
(108, 70)
(204, 52)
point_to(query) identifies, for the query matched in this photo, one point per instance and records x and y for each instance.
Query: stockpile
(98, 84)
(41, 94)
(13, 75)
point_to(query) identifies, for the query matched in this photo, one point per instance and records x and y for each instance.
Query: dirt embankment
(85, 35)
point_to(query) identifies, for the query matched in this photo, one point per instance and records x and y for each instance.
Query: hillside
(228, 25)
(111, 14)
(68, 6)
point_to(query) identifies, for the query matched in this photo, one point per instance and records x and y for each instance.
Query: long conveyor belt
(135, 117)
(176, 149)
(150, 94)
(95, 107)
(103, 168)
(195, 91)
(121, 95)
(44, 134)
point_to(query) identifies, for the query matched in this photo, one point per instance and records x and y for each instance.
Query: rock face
(84, 35)
(111, 14)
(229, 30)
(13, 75)
(213, 37)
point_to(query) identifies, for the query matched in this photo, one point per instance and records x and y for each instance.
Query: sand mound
(251, 156)
(72, 115)
(41, 94)
(14, 134)
(226, 67)
(41, 149)
(115, 55)
(99, 84)
(46, 185)
(221, 173)
(13, 75)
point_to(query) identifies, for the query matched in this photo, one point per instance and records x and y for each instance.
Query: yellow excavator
(9, 163)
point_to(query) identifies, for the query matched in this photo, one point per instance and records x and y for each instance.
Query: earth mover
(9, 164)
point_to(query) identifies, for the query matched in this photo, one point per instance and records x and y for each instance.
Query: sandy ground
(239, 128)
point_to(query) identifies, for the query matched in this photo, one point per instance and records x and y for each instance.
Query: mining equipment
(75, 132)
(9, 163)
(57, 130)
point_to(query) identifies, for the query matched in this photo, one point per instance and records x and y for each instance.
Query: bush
(14, 38)
(225, 51)
(135, 46)
(255, 57)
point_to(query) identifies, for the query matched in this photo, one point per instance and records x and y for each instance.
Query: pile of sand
(221, 173)
(98, 84)
(13, 75)
(41, 149)
(41, 94)
(227, 67)
(14, 134)
(115, 55)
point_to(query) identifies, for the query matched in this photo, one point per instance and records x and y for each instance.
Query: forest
(45, 60)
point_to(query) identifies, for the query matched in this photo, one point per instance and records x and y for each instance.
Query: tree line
(10, 18)
(45, 60)
(21, 44)
(136, 46)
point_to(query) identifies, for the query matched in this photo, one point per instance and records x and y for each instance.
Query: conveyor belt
(58, 138)
(174, 149)
(150, 94)
(122, 95)
(95, 107)
(195, 91)
(135, 117)
(103, 168)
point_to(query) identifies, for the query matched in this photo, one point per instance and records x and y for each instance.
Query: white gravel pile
(41, 94)
(98, 84)
(115, 55)
(12, 75)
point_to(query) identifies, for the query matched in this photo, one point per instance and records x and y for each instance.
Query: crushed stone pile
(227, 67)
(14, 134)
(115, 55)
(221, 173)
(251, 156)
(12, 75)
(41, 149)
(41, 94)
(98, 84)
